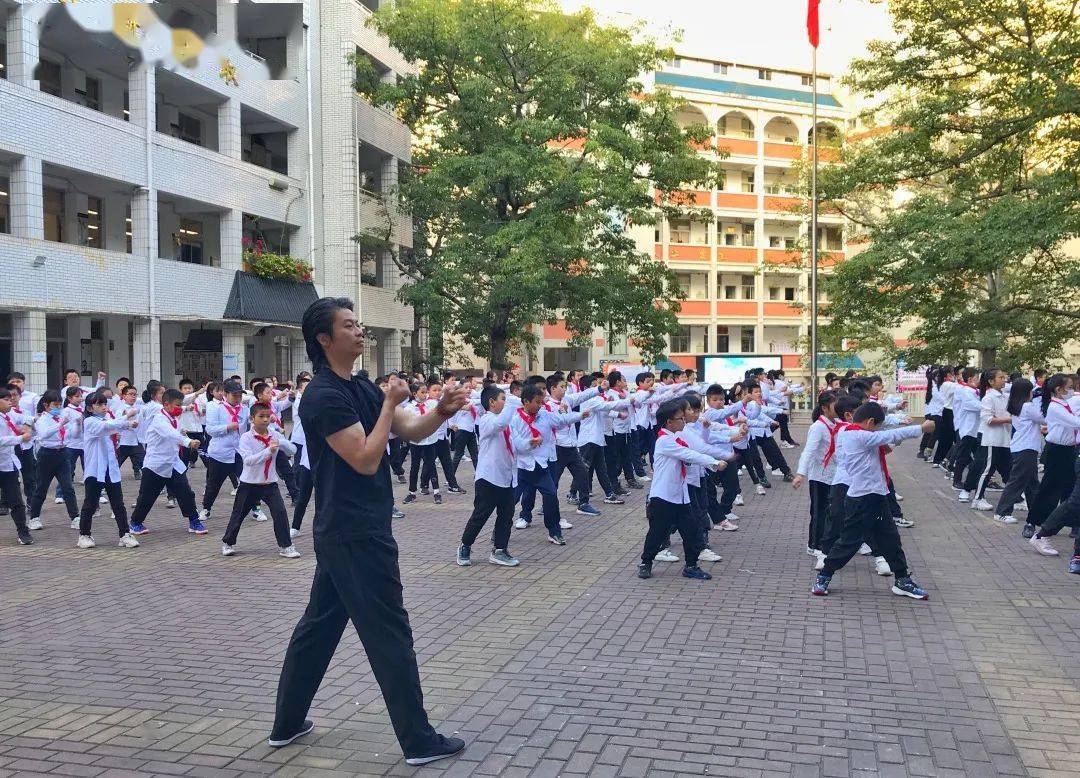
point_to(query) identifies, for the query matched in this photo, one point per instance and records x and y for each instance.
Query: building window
(48, 75)
(764, 74)
(747, 287)
(748, 182)
(53, 206)
(730, 293)
(720, 67)
(694, 285)
(189, 239)
(807, 80)
(3, 59)
(679, 231)
(675, 63)
(371, 268)
(746, 338)
(723, 340)
(127, 106)
(789, 293)
(128, 232)
(781, 242)
(656, 234)
(90, 93)
(5, 205)
(188, 128)
(94, 222)
(680, 341)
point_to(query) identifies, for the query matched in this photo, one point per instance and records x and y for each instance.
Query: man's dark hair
(489, 394)
(15, 376)
(531, 391)
(585, 381)
(69, 371)
(665, 373)
(259, 389)
(172, 396)
(319, 320)
(553, 381)
(693, 399)
(668, 409)
(515, 384)
(186, 381)
(256, 407)
(870, 410)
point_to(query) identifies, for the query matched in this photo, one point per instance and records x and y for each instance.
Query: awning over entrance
(269, 300)
(839, 361)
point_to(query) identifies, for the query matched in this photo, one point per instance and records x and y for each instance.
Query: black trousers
(595, 459)
(93, 489)
(539, 479)
(866, 518)
(442, 451)
(356, 580)
(399, 450)
(248, 497)
(785, 431)
(487, 499)
(1023, 482)
(926, 443)
(567, 458)
(988, 460)
(1057, 482)
(135, 453)
(191, 455)
(772, 454)
(304, 484)
(819, 512)
(464, 440)
(726, 483)
(216, 474)
(965, 453)
(699, 509)
(944, 434)
(752, 460)
(834, 517)
(1066, 513)
(53, 463)
(639, 447)
(285, 471)
(150, 486)
(28, 463)
(618, 457)
(428, 475)
(74, 455)
(664, 515)
(11, 493)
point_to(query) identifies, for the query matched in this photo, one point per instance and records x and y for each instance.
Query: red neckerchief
(681, 442)
(60, 423)
(529, 423)
(265, 440)
(506, 439)
(421, 408)
(234, 413)
(840, 427)
(620, 392)
(11, 425)
(172, 421)
(115, 437)
(472, 410)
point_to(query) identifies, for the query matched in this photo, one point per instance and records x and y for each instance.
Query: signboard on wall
(729, 369)
(913, 380)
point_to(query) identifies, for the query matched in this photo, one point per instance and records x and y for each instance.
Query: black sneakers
(24, 537)
(644, 570)
(278, 742)
(441, 749)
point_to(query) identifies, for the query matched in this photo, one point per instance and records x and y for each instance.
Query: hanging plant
(268, 264)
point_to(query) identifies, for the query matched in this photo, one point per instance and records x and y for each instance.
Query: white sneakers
(864, 549)
(59, 500)
(819, 563)
(964, 495)
(708, 555)
(34, 523)
(128, 541)
(1005, 519)
(776, 471)
(258, 515)
(564, 524)
(170, 503)
(103, 498)
(233, 492)
(733, 517)
(521, 524)
(294, 533)
(881, 567)
(982, 505)
(1042, 545)
(85, 541)
(75, 522)
(227, 550)
(204, 515)
(739, 500)
(666, 555)
(289, 552)
(759, 489)
(728, 526)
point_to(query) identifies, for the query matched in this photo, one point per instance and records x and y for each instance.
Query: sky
(765, 32)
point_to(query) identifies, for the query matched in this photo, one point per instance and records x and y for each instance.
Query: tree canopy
(535, 146)
(967, 190)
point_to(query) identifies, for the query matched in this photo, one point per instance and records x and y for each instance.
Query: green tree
(968, 192)
(535, 147)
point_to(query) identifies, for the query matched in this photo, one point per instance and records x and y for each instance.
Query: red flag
(812, 22)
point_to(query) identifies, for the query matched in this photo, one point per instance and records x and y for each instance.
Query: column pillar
(392, 350)
(27, 199)
(22, 46)
(232, 235)
(229, 142)
(142, 84)
(144, 225)
(28, 342)
(226, 19)
(147, 351)
(234, 351)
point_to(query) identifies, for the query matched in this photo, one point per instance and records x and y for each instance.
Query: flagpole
(814, 235)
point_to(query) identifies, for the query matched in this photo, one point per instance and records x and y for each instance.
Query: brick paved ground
(165, 659)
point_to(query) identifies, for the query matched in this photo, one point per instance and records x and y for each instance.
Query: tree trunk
(498, 359)
(988, 357)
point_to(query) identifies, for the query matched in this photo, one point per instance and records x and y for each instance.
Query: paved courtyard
(164, 660)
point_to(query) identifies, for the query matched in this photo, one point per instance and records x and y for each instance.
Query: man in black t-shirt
(347, 421)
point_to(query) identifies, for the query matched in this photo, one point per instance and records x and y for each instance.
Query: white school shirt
(259, 467)
(191, 420)
(423, 409)
(73, 415)
(10, 439)
(592, 428)
(20, 418)
(937, 401)
(565, 436)
(821, 434)
(966, 409)
(527, 456)
(861, 451)
(641, 399)
(671, 465)
(550, 442)
(297, 437)
(621, 421)
(99, 453)
(994, 405)
(47, 431)
(129, 436)
(695, 434)
(1027, 428)
(1062, 423)
(948, 389)
(467, 418)
(495, 460)
(163, 444)
(277, 408)
(28, 404)
(224, 442)
(146, 413)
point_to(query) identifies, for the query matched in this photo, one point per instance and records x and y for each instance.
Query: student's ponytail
(985, 378)
(70, 392)
(1053, 383)
(826, 398)
(48, 397)
(931, 373)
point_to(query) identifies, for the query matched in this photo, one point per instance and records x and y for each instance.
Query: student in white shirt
(591, 442)
(493, 483)
(644, 431)
(442, 439)
(967, 406)
(423, 451)
(995, 430)
(258, 450)
(225, 423)
(725, 432)
(264, 394)
(164, 465)
(12, 434)
(866, 510)
(945, 433)
(101, 470)
(72, 413)
(1024, 448)
(24, 452)
(697, 435)
(301, 464)
(620, 451)
(129, 446)
(566, 444)
(819, 438)
(192, 420)
(669, 499)
(51, 431)
(463, 425)
(1059, 472)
